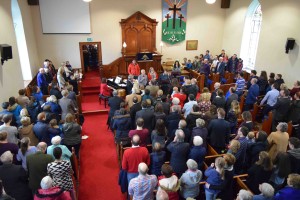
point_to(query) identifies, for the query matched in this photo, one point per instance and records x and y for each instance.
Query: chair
(105, 98)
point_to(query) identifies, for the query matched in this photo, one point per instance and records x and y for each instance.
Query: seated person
(105, 91)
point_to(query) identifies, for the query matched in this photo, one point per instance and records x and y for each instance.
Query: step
(95, 112)
(88, 87)
(85, 92)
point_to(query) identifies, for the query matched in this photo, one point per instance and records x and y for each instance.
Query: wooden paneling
(225, 4)
(131, 39)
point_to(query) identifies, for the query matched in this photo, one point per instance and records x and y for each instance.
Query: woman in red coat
(152, 74)
(104, 89)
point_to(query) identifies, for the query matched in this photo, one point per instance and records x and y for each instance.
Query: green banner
(174, 21)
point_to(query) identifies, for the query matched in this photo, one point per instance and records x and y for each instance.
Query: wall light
(210, 1)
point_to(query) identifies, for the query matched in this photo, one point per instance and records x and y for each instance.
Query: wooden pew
(267, 123)
(225, 87)
(242, 103)
(290, 128)
(215, 78)
(229, 77)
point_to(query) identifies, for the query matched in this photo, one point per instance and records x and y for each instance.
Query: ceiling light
(210, 1)
(87, 1)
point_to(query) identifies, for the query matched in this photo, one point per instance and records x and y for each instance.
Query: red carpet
(98, 157)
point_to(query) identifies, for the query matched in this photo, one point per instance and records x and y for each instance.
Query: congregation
(167, 125)
(40, 134)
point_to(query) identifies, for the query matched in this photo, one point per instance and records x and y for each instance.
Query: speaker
(225, 3)
(289, 45)
(6, 52)
(33, 2)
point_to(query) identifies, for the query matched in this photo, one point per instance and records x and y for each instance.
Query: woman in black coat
(254, 149)
(260, 172)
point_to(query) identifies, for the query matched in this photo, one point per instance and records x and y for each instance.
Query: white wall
(11, 79)
(205, 23)
(280, 20)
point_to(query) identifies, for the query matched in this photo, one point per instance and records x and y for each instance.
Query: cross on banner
(168, 17)
(174, 9)
(180, 17)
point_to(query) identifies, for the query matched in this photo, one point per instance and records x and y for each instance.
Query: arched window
(21, 40)
(251, 35)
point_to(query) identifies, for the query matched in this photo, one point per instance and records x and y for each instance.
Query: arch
(252, 26)
(21, 40)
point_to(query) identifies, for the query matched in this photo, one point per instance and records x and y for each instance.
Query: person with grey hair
(66, 153)
(198, 151)
(179, 152)
(37, 166)
(189, 181)
(14, 178)
(279, 140)
(129, 84)
(42, 82)
(252, 95)
(183, 126)
(267, 192)
(244, 195)
(142, 78)
(200, 130)
(143, 185)
(114, 104)
(66, 105)
(48, 191)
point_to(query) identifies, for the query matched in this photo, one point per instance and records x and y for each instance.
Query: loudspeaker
(225, 3)
(289, 45)
(33, 2)
(6, 52)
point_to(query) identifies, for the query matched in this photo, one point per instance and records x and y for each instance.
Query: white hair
(197, 141)
(46, 182)
(6, 157)
(267, 190)
(52, 98)
(175, 101)
(191, 164)
(56, 140)
(143, 168)
(245, 195)
(64, 93)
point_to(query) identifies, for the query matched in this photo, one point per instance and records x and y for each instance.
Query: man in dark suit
(220, 68)
(55, 91)
(281, 108)
(37, 166)
(218, 132)
(14, 178)
(214, 93)
(114, 104)
(134, 109)
(232, 96)
(148, 115)
(179, 152)
(129, 84)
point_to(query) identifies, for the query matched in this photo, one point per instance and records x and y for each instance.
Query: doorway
(90, 56)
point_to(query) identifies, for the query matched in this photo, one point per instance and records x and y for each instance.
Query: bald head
(135, 140)
(143, 168)
(42, 146)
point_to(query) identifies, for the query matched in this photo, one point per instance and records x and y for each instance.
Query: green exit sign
(89, 39)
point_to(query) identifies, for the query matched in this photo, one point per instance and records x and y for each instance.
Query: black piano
(116, 83)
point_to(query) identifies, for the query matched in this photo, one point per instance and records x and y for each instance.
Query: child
(215, 176)
(169, 182)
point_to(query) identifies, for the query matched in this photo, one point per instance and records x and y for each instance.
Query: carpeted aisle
(98, 158)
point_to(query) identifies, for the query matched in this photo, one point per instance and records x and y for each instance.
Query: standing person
(114, 104)
(41, 81)
(187, 108)
(134, 69)
(262, 82)
(227, 184)
(232, 64)
(40, 129)
(220, 68)
(152, 75)
(281, 108)
(198, 151)
(14, 178)
(37, 166)
(292, 190)
(66, 153)
(60, 171)
(189, 181)
(133, 156)
(270, 98)
(140, 131)
(279, 140)
(215, 176)
(240, 84)
(179, 152)
(252, 95)
(22, 100)
(66, 105)
(232, 115)
(72, 134)
(26, 130)
(158, 158)
(260, 172)
(147, 114)
(219, 131)
(25, 150)
(60, 78)
(169, 182)
(12, 131)
(143, 78)
(143, 185)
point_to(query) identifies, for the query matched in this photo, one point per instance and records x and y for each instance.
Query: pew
(267, 123)
(75, 175)
(242, 103)
(229, 77)
(215, 78)
(225, 87)
(290, 128)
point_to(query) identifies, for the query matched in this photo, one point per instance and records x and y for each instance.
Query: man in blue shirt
(271, 98)
(41, 81)
(240, 84)
(252, 95)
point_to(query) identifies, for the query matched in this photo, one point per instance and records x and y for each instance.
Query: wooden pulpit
(139, 34)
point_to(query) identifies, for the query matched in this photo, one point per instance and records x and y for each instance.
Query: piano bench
(105, 98)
